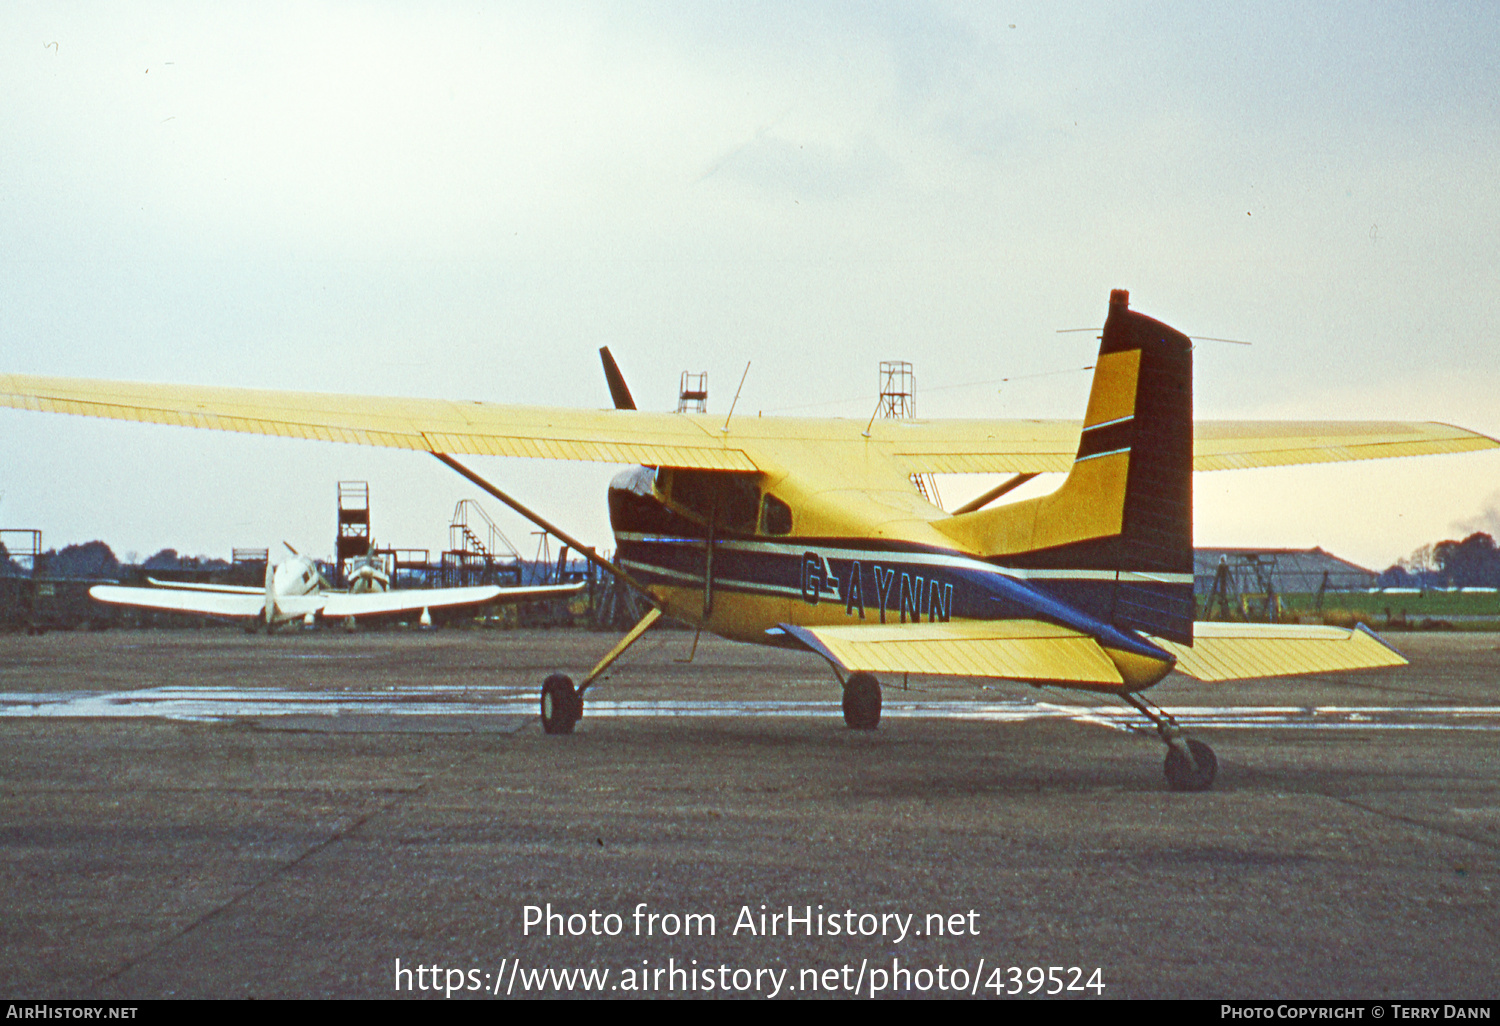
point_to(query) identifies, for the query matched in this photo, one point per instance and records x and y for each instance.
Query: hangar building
(1289, 571)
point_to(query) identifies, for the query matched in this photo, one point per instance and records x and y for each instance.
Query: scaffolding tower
(478, 551)
(692, 393)
(898, 390)
(21, 557)
(406, 567)
(898, 401)
(248, 566)
(1245, 589)
(353, 539)
(25, 601)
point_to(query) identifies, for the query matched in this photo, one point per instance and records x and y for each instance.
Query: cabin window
(729, 500)
(775, 516)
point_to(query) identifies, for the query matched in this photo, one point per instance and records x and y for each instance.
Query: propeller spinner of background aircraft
(297, 590)
(810, 533)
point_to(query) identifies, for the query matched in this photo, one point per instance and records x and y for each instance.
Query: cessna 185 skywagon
(297, 590)
(810, 533)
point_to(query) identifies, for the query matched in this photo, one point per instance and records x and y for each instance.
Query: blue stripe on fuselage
(891, 586)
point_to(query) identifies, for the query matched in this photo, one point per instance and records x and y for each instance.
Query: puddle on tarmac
(229, 703)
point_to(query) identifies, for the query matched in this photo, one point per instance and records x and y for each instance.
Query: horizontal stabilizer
(1237, 651)
(1027, 650)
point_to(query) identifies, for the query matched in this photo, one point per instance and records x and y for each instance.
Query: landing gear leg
(1191, 764)
(562, 705)
(862, 702)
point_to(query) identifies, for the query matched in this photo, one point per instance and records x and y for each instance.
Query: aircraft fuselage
(743, 584)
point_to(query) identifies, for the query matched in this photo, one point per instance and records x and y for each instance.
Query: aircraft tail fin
(1117, 537)
(270, 611)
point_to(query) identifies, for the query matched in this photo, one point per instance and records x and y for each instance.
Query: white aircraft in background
(297, 590)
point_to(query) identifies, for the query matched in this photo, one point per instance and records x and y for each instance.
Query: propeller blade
(618, 390)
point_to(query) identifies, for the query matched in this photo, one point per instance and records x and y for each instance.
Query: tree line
(1473, 562)
(96, 559)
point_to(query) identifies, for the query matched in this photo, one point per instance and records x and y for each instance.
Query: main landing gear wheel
(562, 705)
(1195, 774)
(862, 702)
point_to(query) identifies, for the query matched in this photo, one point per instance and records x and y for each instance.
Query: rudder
(1119, 531)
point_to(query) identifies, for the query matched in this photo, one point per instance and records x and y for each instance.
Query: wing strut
(993, 494)
(652, 615)
(586, 551)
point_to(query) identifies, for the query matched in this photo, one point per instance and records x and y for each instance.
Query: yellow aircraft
(810, 533)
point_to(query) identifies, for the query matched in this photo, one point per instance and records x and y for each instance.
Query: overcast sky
(429, 199)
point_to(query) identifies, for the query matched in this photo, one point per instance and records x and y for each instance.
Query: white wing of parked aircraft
(295, 590)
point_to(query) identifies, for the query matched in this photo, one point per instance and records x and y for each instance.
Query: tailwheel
(1191, 774)
(862, 702)
(1191, 765)
(562, 706)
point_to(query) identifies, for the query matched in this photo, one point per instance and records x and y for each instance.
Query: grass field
(1463, 611)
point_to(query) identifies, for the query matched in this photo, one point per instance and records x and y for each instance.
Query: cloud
(449, 200)
(1488, 519)
(811, 169)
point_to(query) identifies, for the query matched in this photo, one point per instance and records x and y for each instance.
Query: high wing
(697, 441)
(373, 603)
(427, 425)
